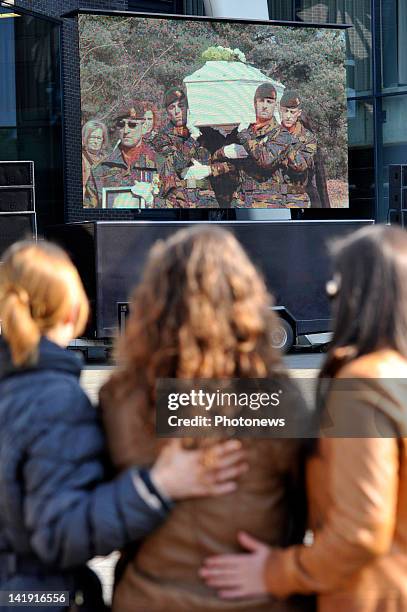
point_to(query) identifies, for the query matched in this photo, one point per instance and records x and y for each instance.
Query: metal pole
(380, 213)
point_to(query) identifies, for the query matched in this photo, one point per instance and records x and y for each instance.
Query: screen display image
(180, 113)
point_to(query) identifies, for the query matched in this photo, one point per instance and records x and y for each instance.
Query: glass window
(395, 124)
(158, 6)
(30, 105)
(281, 10)
(394, 50)
(361, 156)
(194, 7)
(315, 11)
(7, 71)
(360, 123)
(394, 136)
(359, 37)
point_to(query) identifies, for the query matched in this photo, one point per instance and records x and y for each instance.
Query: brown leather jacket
(357, 492)
(162, 574)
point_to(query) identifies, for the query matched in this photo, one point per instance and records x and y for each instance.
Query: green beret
(133, 110)
(265, 90)
(290, 99)
(174, 94)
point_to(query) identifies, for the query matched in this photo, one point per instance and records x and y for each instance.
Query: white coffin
(222, 93)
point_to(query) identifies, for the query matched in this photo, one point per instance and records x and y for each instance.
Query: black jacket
(56, 509)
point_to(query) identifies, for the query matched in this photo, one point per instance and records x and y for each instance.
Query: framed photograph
(121, 197)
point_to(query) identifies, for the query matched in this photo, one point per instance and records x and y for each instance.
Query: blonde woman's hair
(39, 286)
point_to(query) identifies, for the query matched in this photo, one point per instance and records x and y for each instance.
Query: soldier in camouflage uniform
(132, 163)
(183, 162)
(272, 159)
(256, 153)
(296, 171)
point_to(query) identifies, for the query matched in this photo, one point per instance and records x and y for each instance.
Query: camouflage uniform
(275, 175)
(114, 172)
(256, 172)
(296, 170)
(224, 175)
(294, 176)
(175, 149)
(279, 168)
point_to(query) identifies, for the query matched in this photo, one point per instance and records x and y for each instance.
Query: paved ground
(301, 365)
(297, 362)
(304, 365)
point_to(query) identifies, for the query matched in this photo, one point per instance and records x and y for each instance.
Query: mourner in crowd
(59, 505)
(151, 122)
(201, 311)
(357, 476)
(95, 144)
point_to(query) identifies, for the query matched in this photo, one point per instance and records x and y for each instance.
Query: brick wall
(56, 8)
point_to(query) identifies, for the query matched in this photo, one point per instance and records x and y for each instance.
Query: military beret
(290, 99)
(130, 111)
(174, 94)
(265, 90)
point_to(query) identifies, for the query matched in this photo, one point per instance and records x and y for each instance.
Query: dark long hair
(370, 309)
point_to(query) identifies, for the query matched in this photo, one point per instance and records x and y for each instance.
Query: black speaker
(17, 203)
(15, 227)
(16, 199)
(17, 173)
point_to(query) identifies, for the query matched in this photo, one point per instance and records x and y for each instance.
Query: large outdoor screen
(182, 113)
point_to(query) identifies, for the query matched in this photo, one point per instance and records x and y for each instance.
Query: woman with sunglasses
(131, 163)
(357, 476)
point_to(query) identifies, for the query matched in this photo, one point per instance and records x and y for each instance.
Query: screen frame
(296, 24)
(203, 214)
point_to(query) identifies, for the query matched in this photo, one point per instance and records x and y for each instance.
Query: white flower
(240, 55)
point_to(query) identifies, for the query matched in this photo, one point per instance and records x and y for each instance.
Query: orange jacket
(357, 495)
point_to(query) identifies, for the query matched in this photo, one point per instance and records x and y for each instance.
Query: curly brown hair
(201, 310)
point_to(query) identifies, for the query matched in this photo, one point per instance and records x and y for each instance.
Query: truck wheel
(282, 337)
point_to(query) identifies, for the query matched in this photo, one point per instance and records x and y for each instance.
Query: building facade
(377, 87)
(40, 102)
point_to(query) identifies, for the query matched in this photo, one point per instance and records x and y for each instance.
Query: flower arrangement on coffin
(225, 54)
(221, 92)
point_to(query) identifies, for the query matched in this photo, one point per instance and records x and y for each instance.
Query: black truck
(292, 255)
